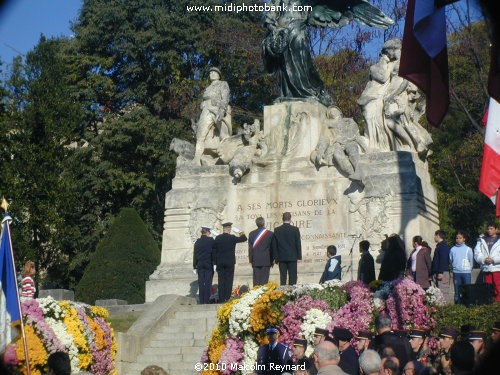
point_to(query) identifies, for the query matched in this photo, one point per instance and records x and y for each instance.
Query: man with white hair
(369, 362)
(326, 359)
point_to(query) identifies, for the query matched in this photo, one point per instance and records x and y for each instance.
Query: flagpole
(5, 206)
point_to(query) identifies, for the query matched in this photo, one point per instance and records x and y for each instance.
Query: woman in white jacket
(487, 254)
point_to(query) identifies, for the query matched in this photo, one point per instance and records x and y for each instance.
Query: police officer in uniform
(203, 263)
(419, 347)
(274, 353)
(364, 341)
(225, 258)
(447, 338)
(349, 362)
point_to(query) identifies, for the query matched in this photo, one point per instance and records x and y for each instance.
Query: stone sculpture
(253, 148)
(286, 44)
(391, 107)
(214, 123)
(340, 144)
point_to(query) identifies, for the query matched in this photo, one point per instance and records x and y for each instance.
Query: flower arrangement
(297, 311)
(78, 329)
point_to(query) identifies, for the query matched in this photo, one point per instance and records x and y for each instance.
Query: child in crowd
(28, 284)
(333, 266)
(461, 258)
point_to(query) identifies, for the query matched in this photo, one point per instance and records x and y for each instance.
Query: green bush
(332, 295)
(477, 317)
(122, 262)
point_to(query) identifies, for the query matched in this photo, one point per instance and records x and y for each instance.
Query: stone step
(210, 307)
(195, 314)
(167, 343)
(177, 335)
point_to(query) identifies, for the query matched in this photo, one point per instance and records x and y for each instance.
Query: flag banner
(489, 181)
(424, 56)
(9, 303)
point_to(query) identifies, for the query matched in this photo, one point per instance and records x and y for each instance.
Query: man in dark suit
(287, 249)
(259, 252)
(272, 355)
(225, 258)
(349, 362)
(203, 263)
(388, 338)
(366, 268)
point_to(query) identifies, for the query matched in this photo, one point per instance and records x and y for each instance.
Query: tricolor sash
(259, 237)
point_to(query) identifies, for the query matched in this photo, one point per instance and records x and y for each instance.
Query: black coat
(366, 269)
(287, 246)
(398, 342)
(203, 253)
(224, 248)
(336, 273)
(349, 362)
(441, 259)
(261, 255)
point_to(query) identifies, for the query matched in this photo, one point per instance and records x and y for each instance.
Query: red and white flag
(489, 181)
(424, 56)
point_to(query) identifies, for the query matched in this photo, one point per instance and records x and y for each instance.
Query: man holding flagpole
(259, 252)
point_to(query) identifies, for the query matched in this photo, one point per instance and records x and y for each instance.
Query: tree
(42, 119)
(122, 262)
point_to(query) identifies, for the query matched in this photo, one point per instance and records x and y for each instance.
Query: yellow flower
(100, 312)
(36, 352)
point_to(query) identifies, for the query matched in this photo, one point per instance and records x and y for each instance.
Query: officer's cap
(448, 333)
(364, 335)
(300, 342)
(417, 332)
(477, 334)
(227, 225)
(271, 330)
(342, 334)
(320, 332)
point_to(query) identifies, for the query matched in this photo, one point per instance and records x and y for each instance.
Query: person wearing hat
(363, 342)
(287, 249)
(225, 258)
(320, 335)
(299, 348)
(349, 362)
(203, 263)
(259, 252)
(447, 338)
(477, 339)
(272, 355)
(495, 334)
(418, 343)
(215, 118)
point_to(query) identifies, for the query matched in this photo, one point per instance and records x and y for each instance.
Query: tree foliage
(122, 263)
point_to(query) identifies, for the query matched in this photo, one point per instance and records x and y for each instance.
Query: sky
(23, 21)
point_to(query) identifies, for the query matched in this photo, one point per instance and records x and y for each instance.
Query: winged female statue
(286, 46)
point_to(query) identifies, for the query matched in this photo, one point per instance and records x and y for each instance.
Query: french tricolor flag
(489, 181)
(10, 312)
(424, 55)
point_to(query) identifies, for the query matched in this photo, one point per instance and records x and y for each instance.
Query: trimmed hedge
(477, 317)
(122, 262)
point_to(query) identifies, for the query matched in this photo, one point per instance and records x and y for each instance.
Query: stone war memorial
(340, 185)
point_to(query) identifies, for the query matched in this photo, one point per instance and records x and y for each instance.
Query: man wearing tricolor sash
(259, 252)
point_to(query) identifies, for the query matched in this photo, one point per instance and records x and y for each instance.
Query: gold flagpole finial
(5, 204)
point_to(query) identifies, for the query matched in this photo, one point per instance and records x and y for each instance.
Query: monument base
(394, 196)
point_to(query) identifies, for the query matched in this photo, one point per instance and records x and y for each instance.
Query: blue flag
(9, 304)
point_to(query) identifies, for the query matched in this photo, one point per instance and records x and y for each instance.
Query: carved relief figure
(372, 98)
(391, 107)
(286, 44)
(340, 144)
(254, 148)
(214, 123)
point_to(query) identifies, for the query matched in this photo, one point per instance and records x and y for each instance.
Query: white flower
(250, 353)
(434, 296)
(66, 340)
(378, 303)
(239, 321)
(302, 289)
(314, 318)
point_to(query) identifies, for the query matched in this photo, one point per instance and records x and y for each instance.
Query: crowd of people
(389, 352)
(449, 268)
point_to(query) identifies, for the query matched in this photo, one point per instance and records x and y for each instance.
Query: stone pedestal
(395, 197)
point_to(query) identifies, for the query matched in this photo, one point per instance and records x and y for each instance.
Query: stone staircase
(175, 342)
